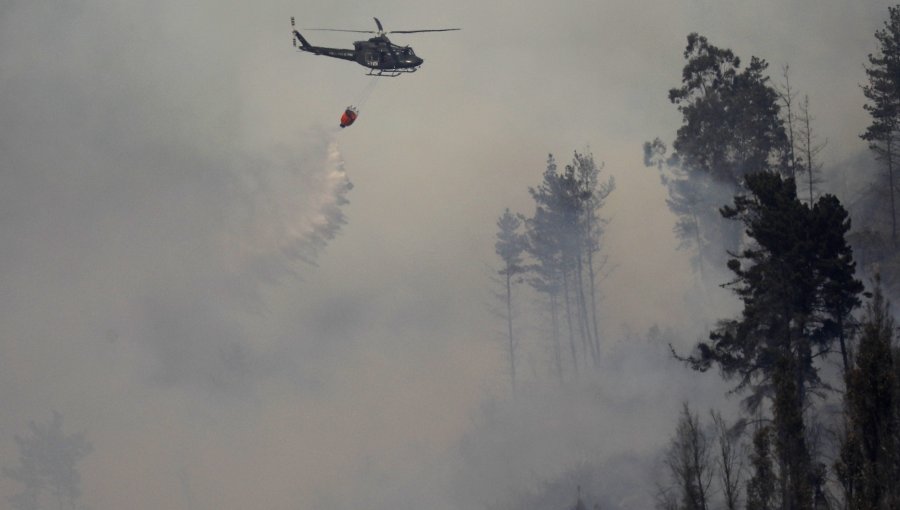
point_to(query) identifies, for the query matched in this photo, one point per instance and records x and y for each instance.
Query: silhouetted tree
(808, 147)
(729, 459)
(731, 128)
(47, 466)
(689, 463)
(798, 263)
(883, 94)
(787, 97)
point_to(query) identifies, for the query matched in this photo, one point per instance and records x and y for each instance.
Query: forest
(812, 354)
(591, 256)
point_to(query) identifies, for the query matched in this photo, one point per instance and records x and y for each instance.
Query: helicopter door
(372, 58)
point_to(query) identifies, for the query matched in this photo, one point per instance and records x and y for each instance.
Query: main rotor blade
(417, 31)
(340, 30)
(380, 28)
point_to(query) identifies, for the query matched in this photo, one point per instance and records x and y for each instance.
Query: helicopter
(379, 54)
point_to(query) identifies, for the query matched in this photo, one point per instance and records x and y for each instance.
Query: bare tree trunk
(730, 462)
(557, 348)
(593, 288)
(787, 97)
(586, 336)
(568, 307)
(890, 165)
(512, 346)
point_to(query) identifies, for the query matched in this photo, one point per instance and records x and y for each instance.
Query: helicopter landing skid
(391, 73)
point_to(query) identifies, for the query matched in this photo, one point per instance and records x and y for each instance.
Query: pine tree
(551, 271)
(883, 94)
(510, 247)
(564, 238)
(789, 279)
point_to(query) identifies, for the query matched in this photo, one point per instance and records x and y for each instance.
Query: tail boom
(345, 54)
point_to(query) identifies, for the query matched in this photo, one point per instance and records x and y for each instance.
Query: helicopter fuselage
(379, 54)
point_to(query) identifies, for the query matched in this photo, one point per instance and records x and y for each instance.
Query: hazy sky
(169, 169)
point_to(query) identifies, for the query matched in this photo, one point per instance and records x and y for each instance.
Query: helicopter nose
(418, 61)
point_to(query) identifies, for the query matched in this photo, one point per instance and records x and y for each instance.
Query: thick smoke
(141, 228)
(134, 209)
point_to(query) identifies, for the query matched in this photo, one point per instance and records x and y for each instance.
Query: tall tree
(48, 461)
(731, 116)
(839, 290)
(510, 247)
(871, 404)
(731, 127)
(551, 271)
(883, 94)
(798, 261)
(592, 195)
(564, 238)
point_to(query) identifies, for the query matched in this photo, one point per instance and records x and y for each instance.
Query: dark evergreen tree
(839, 289)
(797, 264)
(731, 128)
(883, 95)
(731, 117)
